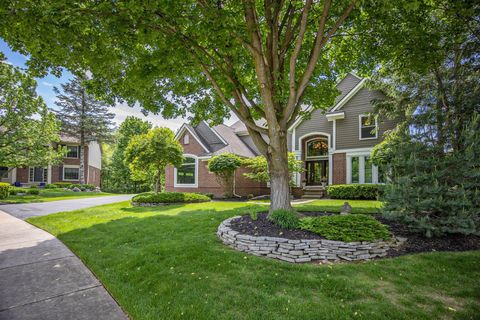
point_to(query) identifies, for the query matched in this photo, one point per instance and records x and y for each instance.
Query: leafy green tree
(83, 117)
(28, 129)
(259, 168)
(432, 157)
(120, 177)
(257, 59)
(151, 153)
(224, 166)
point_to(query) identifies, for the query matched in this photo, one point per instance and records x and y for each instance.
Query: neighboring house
(334, 145)
(67, 171)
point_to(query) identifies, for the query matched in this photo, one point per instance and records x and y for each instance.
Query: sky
(45, 90)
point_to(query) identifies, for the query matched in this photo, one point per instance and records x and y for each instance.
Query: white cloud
(122, 111)
(48, 84)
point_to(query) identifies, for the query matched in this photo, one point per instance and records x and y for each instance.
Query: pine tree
(83, 117)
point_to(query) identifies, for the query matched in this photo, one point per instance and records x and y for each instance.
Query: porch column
(49, 174)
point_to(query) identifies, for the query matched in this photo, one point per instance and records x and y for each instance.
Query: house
(67, 171)
(334, 146)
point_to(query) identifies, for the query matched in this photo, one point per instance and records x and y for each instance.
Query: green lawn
(47, 195)
(167, 263)
(332, 205)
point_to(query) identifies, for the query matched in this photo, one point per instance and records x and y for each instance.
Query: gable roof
(219, 139)
(348, 86)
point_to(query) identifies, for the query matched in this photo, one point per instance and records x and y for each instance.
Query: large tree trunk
(277, 159)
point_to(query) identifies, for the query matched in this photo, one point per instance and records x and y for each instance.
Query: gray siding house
(334, 145)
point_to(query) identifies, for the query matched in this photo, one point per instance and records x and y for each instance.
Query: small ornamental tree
(259, 168)
(148, 155)
(224, 167)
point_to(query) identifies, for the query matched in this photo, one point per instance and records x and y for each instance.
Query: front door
(317, 172)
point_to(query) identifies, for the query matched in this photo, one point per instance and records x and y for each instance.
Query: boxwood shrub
(4, 190)
(286, 219)
(33, 191)
(347, 228)
(355, 191)
(170, 197)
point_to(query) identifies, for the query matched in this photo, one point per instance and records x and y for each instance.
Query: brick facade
(339, 168)
(92, 174)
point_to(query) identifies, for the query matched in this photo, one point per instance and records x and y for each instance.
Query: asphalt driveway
(27, 210)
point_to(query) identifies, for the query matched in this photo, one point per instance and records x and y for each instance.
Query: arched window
(317, 148)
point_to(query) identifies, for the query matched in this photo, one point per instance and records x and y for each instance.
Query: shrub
(33, 191)
(4, 190)
(34, 186)
(355, 191)
(82, 187)
(14, 190)
(348, 228)
(286, 219)
(51, 186)
(210, 195)
(170, 197)
(63, 184)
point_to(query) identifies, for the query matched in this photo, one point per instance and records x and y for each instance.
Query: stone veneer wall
(304, 250)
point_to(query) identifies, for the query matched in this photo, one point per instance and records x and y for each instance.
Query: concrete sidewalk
(40, 278)
(27, 210)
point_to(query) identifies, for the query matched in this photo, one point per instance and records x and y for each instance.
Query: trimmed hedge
(286, 219)
(51, 186)
(4, 190)
(347, 228)
(170, 197)
(355, 191)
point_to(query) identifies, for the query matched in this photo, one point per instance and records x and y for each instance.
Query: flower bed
(304, 250)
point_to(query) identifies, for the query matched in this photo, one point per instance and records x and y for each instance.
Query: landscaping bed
(414, 243)
(150, 199)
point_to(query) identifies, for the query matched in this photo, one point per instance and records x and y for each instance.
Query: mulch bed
(416, 242)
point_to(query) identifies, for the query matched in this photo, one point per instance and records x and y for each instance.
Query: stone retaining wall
(304, 250)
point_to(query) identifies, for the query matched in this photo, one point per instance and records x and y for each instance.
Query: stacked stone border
(304, 250)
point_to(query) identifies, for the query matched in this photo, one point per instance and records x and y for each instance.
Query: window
(3, 172)
(72, 151)
(360, 169)
(186, 139)
(355, 171)
(186, 173)
(368, 170)
(368, 127)
(317, 148)
(70, 173)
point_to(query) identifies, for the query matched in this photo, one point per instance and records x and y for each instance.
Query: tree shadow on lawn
(168, 262)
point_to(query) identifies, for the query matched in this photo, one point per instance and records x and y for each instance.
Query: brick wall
(22, 175)
(339, 168)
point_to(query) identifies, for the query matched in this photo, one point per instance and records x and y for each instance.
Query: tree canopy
(120, 179)
(257, 59)
(151, 153)
(27, 128)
